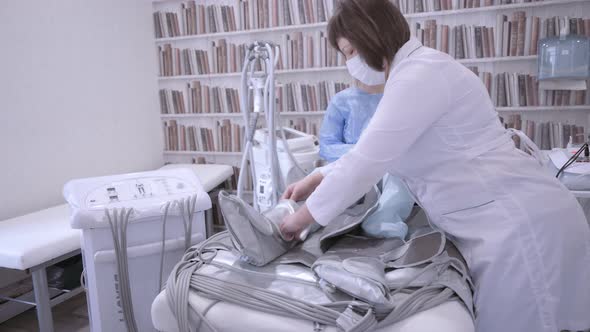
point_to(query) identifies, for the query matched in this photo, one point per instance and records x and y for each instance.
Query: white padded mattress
(38, 237)
(226, 317)
(210, 175)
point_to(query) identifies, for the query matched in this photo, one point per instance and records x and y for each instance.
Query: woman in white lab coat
(522, 233)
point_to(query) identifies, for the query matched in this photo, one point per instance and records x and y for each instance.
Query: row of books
(299, 50)
(194, 19)
(310, 126)
(296, 51)
(206, 99)
(224, 137)
(461, 41)
(420, 6)
(517, 36)
(176, 61)
(546, 135)
(514, 90)
(290, 97)
(300, 97)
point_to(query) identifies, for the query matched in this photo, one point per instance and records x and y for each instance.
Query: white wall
(78, 96)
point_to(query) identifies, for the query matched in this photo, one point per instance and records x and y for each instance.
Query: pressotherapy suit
(347, 116)
(521, 232)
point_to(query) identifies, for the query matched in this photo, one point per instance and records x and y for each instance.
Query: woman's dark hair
(375, 28)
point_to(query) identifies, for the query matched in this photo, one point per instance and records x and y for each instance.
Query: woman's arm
(403, 115)
(332, 145)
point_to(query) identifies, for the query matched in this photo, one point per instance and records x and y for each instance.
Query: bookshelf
(251, 32)
(494, 9)
(322, 70)
(235, 115)
(321, 113)
(203, 153)
(498, 59)
(341, 69)
(544, 108)
(300, 27)
(484, 16)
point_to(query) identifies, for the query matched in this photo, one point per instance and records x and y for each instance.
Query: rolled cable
(290, 153)
(282, 131)
(244, 104)
(271, 152)
(192, 208)
(162, 252)
(251, 147)
(118, 225)
(571, 161)
(270, 105)
(124, 222)
(187, 207)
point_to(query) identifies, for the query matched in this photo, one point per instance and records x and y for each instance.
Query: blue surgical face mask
(360, 70)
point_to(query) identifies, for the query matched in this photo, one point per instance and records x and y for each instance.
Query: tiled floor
(70, 316)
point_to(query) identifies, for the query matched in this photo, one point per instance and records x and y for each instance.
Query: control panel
(137, 189)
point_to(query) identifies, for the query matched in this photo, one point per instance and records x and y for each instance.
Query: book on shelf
(194, 18)
(514, 35)
(300, 50)
(290, 97)
(486, 77)
(522, 90)
(171, 101)
(546, 135)
(423, 6)
(521, 33)
(224, 137)
(461, 41)
(310, 126)
(297, 50)
(300, 97)
(212, 99)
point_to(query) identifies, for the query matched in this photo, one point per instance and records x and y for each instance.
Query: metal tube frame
(43, 299)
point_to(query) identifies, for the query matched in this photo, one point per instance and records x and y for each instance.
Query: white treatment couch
(450, 316)
(35, 241)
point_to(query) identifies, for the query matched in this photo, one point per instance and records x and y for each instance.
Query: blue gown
(347, 116)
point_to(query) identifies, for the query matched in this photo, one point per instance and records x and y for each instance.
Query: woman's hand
(294, 224)
(301, 189)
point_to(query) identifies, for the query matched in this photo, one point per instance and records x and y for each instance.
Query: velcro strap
(351, 320)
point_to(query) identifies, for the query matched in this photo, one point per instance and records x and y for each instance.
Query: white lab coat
(522, 233)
